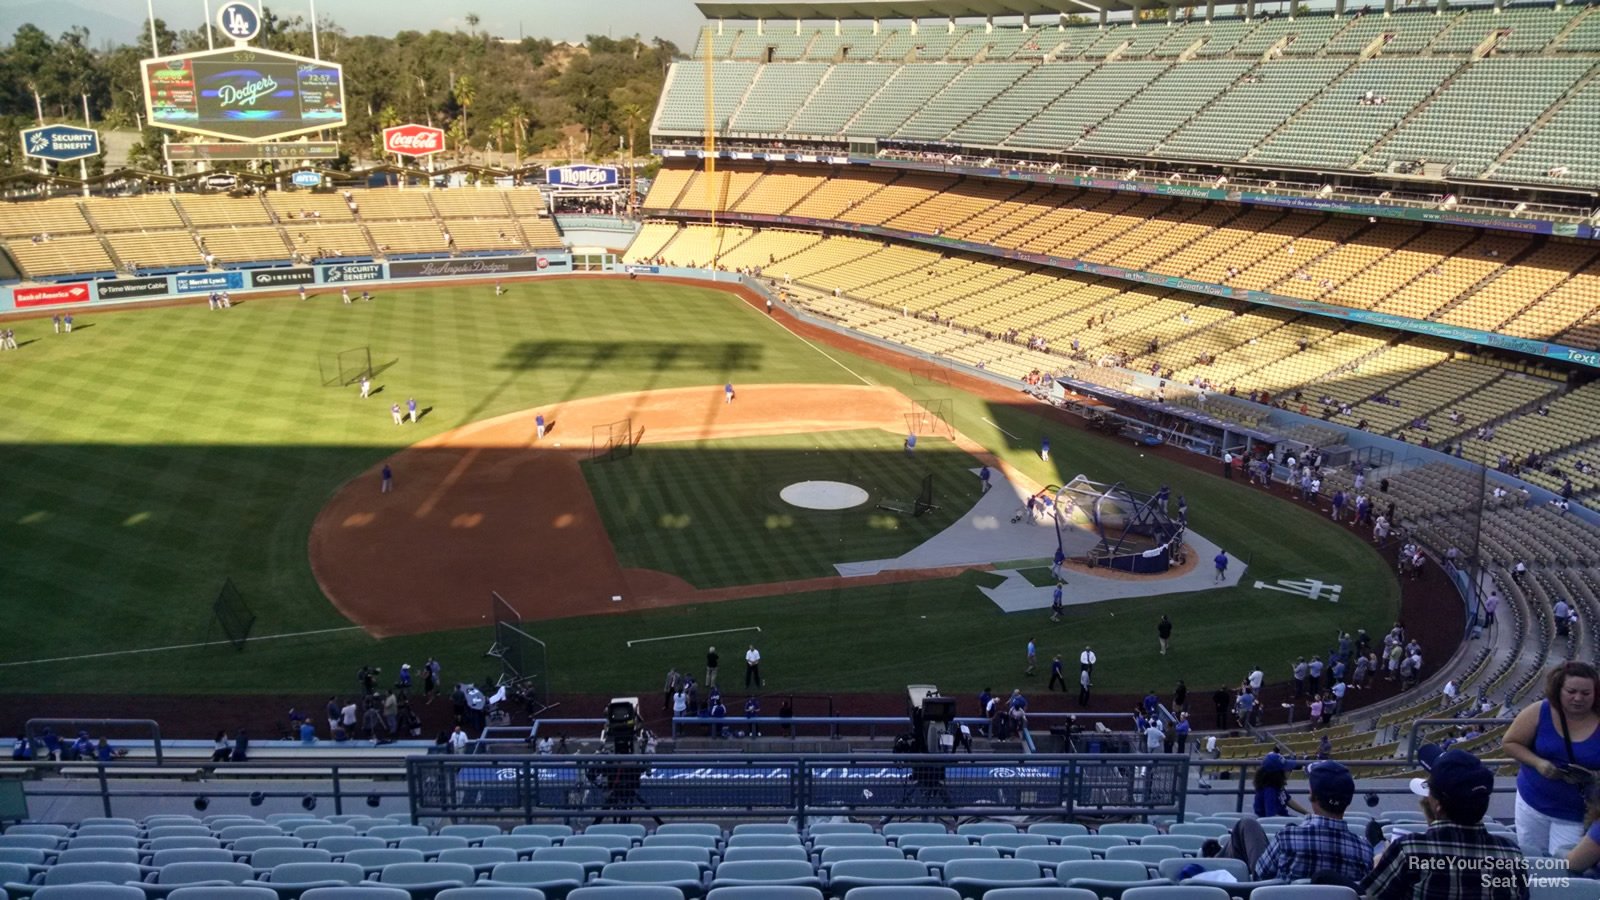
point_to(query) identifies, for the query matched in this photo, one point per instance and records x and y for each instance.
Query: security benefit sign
(243, 93)
(60, 143)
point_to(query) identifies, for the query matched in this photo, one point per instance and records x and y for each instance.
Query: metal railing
(606, 786)
(1238, 775)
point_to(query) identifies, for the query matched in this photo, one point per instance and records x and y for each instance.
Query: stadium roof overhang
(911, 9)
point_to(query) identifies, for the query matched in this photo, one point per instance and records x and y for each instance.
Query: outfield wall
(72, 296)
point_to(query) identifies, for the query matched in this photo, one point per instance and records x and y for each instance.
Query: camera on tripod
(622, 724)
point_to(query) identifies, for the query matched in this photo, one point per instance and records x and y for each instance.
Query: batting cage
(613, 440)
(523, 657)
(345, 367)
(233, 615)
(1137, 532)
(915, 506)
(931, 417)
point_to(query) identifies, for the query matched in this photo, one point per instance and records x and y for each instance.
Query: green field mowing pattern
(154, 453)
(710, 512)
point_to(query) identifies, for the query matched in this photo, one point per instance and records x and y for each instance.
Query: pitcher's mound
(823, 495)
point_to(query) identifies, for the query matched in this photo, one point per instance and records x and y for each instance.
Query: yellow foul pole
(710, 154)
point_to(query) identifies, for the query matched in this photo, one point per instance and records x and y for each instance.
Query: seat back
(1171, 868)
(83, 873)
(317, 832)
(700, 856)
(1152, 854)
(1039, 893)
(357, 892)
(1096, 842)
(427, 873)
(879, 869)
(591, 858)
(432, 844)
(704, 841)
(1129, 829)
(121, 830)
(566, 874)
(765, 870)
(340, 844)
(1102, 870)
(939, 856)
(1058, 830)
(249, 845)
(523, 844)
(51, 829)
(162, 831)
(172, 843)
(1203, 829)
(765, 828)
(707, 829)
(1010, 842)
(654, 872)
(839, 828)
(777, 839)
(979, 829)
(372, 860)
(25, 856)
(470, 832)
(220, 892)
(90, 891)
(993, 870)
(478, 857)
(168, 857)
(392, 833)
(1584, 888)
(553, 832)
(896, 830)
(1049, 855)
(1179, 892)
(765, 892)
(629, 831)
(746, 854)
(98, 854)
(311, 872)
(234, 832)
(616, 844)
(268, 857)
(490, 893)
(1188, 843)
(627, 892)
(832, 855)
(198, 872)
(913, 843)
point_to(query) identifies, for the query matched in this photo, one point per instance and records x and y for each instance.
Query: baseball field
(154, 454)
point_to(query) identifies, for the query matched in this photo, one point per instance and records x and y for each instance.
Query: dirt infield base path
(489, 507)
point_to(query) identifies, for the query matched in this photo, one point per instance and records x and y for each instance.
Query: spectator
(241, 747)
(1271, 783)
(1431, 863)
(1554, 740)
(221, 750)
(1321, 848)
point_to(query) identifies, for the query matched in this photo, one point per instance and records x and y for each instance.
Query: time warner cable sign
(590, 177)
(60, 143)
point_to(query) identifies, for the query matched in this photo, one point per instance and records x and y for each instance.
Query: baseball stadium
(1226, 372)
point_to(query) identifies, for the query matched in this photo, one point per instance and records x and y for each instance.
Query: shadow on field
(379, 370)
(724, 356)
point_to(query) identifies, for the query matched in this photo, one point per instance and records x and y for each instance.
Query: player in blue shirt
(1056, 608)
(411, 407)
(538, 424)
(911, 444)
(983, 476)
(1044, 448)
(727, 392)
(1222, 565)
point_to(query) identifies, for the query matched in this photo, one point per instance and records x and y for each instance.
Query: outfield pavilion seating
(538, 229)
(408, 237)
(478, 219)
(647, 245)
(382, 205)
(1094, 95)
(215, 210)
(143, 251)
(70, 248)
(291, 209)
(320, 238)
(37, 217)
(151, 212)
(236, 245)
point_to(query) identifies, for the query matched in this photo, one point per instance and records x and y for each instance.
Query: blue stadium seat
(474, 833)
(127, 843)
(393, 834)
(858, 873)
(290, 880)
(1106, 877)
(615, 844)
(83, 873)
(1129, 829)
(869, 839)
(522, 844)
(1040, 893)
(1178, 892)
(839, 828)
(216, 892)
(1587, 889)
(1055, 831)
(765, 828)
(481, 859)
(15, 873)
(163, 821)
(700, 856)
(423, 881)
(896, 830)
(593, 859)
(765, 892)
(107, 831)
(913, 843)
(121, 821)
(556, 833)
(1170, 868)
(313, 833)
(371, 860)
(292, 820)
(432, 845)
(936, 857)
(1150, 856)
(357, 892)
(26, 856)
(976, 830)
(1008, 843)
(1050, 855)
(1203, 829)
(782, 872)
(191, 854)
(162, 831)
(249, 845)
(704, 841)
(555, 879)
(60, 832)
(902, 892)
(90, 892)
(706, 829)
(160, 844)
(491, 893)
(263, 860)
(234, 832)
(632, 832)
(340, 844)
(972, 878)
(98, 855)
(1188, 843)
(627, 892)
(745, 854)
(681, 875)
(1098, 843)
(833, 855)
(170, 878)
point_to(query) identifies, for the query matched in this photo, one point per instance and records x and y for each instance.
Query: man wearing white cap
(1456, 858)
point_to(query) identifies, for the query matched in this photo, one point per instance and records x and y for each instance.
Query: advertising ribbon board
(131, 288)
(282, 277)
(51, 295)
(208, 281)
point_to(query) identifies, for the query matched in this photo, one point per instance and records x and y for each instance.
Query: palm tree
(387, 117)
(465, 92)
(517, 118)
(632, 115)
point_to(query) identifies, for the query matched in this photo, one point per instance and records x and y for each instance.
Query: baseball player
(366, 387)
(345, 293)
(411, 407)
(366, 296)
(727, 392)
(1044, 448)
(394, 410)
(302, 293)
(911, 444)
(388, 479)
(538, 423)
(498, 290)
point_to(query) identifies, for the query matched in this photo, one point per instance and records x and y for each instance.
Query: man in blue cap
(1322, 847)
(1456, 858)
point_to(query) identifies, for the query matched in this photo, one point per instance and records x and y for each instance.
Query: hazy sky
(676, 20)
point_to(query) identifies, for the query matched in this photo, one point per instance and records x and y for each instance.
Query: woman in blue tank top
(1557, 741)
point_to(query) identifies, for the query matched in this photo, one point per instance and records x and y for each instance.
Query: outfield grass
(728, 525)
(156, 452)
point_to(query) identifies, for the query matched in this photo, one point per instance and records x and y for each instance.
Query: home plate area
(992, 533)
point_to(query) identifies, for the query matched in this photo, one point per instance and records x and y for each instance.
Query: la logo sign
(413, 140)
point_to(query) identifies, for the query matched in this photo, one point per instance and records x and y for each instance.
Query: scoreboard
(243, 93)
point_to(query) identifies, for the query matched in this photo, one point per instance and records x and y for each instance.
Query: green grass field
(154, 453)
(733, 528)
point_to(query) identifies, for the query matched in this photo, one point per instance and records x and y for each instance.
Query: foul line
(858, 376)
(265, 637)
(1002, 430)
(673, 637)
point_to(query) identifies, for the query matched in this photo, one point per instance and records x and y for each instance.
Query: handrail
(100, 724)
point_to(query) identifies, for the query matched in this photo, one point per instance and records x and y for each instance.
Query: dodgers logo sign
(590, 177)
(60, 143)
(239, 21)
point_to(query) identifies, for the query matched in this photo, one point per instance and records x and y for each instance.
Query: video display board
(244, 94)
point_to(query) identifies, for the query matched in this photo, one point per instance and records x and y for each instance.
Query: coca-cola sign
(413, 140)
